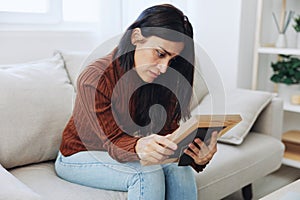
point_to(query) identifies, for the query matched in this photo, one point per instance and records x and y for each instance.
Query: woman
(117, 124)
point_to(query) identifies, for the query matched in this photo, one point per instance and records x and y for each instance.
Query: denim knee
(149, 184)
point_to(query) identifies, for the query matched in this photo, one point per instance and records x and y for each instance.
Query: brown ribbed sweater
(99, 120)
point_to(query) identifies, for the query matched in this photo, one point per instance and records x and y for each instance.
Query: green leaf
(296, 65)
(288, 81)
(275, 78)
(297, 75)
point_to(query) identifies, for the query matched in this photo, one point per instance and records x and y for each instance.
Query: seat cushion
(43, 180)
(13, 189)
(233, 166)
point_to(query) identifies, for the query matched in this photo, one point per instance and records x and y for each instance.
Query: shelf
(291, 163)
(273, 50)
(291, 108)
(291, 140)
(292, 136)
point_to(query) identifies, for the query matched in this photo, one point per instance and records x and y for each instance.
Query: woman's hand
(205, 153)
(154, 148)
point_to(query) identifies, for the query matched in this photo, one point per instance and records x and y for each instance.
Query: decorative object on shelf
(297, 29)
(281, 41)
(287, 71)
(295, 99)
(287, 92)
(282, 27)
(291, 140)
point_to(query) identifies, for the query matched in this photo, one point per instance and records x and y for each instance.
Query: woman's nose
(163, 66)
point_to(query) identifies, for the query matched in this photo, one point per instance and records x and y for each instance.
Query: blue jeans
(97, 169)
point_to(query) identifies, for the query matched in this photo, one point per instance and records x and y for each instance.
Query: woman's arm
(94, 99)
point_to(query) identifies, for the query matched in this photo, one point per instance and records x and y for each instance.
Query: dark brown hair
(167, 22)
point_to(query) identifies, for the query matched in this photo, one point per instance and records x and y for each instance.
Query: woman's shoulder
(102, 64)
(102, 70)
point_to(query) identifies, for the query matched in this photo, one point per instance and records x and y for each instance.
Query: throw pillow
(73, 63)
(247, 103)
(35, 105)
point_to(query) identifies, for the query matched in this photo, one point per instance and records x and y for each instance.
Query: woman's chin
(148, 79)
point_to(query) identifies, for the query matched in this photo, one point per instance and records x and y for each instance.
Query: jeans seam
(87, 164)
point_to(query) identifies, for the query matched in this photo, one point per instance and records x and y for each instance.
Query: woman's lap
(97, 169)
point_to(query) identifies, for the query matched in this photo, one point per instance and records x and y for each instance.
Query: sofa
(37, 100)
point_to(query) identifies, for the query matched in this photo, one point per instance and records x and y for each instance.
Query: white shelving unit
(259, 51)
(276, 51)
(291, 108)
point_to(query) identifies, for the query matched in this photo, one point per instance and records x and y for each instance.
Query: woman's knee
(150, 176)
(182, 174)
(147, 184)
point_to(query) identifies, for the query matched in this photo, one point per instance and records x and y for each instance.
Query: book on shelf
(198, 126)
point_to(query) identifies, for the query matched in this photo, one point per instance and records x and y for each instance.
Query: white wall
(246, 43)
(216, 26)
(19, 45)
(23, 46)
(219, 27)
(226, 30)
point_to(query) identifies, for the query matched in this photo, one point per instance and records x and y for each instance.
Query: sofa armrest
(13, 189)
(270, 120)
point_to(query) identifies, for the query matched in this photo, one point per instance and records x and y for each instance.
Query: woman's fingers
(155, 148)
(160, 149)
(214, 138)
(202, 153)
(165, 142)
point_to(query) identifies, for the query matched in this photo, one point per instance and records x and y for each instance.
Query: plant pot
(287, 91)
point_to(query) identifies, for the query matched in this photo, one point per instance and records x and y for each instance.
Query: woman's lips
(155, 75)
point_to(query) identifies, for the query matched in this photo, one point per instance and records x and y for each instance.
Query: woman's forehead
(167, 45)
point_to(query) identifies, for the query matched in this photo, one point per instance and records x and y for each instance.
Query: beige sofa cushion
(219, 178)
(35, 105)
(43, 179)
(73, 61)
(13, 189)
(233, 167)
(247, 103)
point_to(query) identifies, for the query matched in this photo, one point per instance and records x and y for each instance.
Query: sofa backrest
(75, 62)
(36, 103)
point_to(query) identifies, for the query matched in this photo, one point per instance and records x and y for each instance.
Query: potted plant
(297, 29)
(297, 24)
(287, 71)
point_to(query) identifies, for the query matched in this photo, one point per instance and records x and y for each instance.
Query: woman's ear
(136, 36)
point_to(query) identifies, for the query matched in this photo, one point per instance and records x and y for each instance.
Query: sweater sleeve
(94, 95)
(198, 168)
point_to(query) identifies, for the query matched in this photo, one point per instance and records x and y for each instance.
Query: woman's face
(152, 55)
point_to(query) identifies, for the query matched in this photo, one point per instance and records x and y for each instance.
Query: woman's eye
(160, 54)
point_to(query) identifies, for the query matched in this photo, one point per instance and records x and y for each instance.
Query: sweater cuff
(198, 168)
(124, 149)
